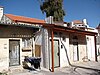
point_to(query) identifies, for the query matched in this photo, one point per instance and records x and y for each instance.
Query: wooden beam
(75, 31)
(95, 48)
(58, 28)
(52, 45)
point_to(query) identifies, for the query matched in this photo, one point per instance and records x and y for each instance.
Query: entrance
(14, 52)
(56, 53)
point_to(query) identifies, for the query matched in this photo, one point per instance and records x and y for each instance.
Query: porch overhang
(57, 28)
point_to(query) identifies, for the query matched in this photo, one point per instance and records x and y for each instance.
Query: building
(16, 39)
(98, 42)
(66, 43)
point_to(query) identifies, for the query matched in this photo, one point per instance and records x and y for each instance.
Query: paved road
(63, 72)
(87, 68)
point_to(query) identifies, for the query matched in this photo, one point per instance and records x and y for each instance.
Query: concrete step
(15, 69)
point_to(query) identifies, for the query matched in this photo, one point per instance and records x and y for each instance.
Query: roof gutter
(20, 25)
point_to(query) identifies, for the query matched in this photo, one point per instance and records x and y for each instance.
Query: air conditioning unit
(49, 20)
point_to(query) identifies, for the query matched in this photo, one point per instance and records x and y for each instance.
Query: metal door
(14, 54)
(56, 54)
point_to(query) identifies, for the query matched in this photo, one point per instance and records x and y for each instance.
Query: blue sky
(75, 9)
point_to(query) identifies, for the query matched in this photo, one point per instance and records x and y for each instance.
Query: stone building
(16, 39)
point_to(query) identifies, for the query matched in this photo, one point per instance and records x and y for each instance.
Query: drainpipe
(52, 45)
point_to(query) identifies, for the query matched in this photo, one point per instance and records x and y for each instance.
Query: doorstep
(15, 69)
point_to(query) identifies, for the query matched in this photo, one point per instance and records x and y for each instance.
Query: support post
(52, 45)
(95, 48)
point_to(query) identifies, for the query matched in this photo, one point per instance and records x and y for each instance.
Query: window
(27, 42)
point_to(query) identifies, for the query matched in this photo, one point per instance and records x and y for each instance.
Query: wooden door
(37, 50)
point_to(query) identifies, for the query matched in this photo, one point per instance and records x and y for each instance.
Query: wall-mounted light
(87, 38)
(61, 46)
(64, 38)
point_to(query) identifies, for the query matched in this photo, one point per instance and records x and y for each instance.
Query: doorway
(14, 52)
(75, 52)
(56, 53)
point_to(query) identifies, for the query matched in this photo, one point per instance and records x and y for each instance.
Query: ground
(84, 68)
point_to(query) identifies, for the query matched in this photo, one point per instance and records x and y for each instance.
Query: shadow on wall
(75, 66)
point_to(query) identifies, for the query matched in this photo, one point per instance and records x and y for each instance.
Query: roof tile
(23, 19)
(77, 22)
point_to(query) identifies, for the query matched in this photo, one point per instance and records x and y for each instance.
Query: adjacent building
(67, 43)
(98, 42)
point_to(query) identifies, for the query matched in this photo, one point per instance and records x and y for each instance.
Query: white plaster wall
(44, 52)
(82, 52)
(71, 53)
(63, 53)
(5, 19)
(81, 48)
(4, 54)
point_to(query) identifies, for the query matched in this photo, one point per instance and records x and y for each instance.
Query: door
(14, 54)
(37, 50)
(75, 52)
(56, 53)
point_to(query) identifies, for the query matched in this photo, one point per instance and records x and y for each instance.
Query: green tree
(53, 8)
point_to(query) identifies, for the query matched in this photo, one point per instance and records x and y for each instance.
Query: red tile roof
(23, 19)
(77, 22)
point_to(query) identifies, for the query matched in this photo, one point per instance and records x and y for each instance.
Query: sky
(74, 9)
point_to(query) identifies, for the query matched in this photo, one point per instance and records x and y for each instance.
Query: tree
(53, 8)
